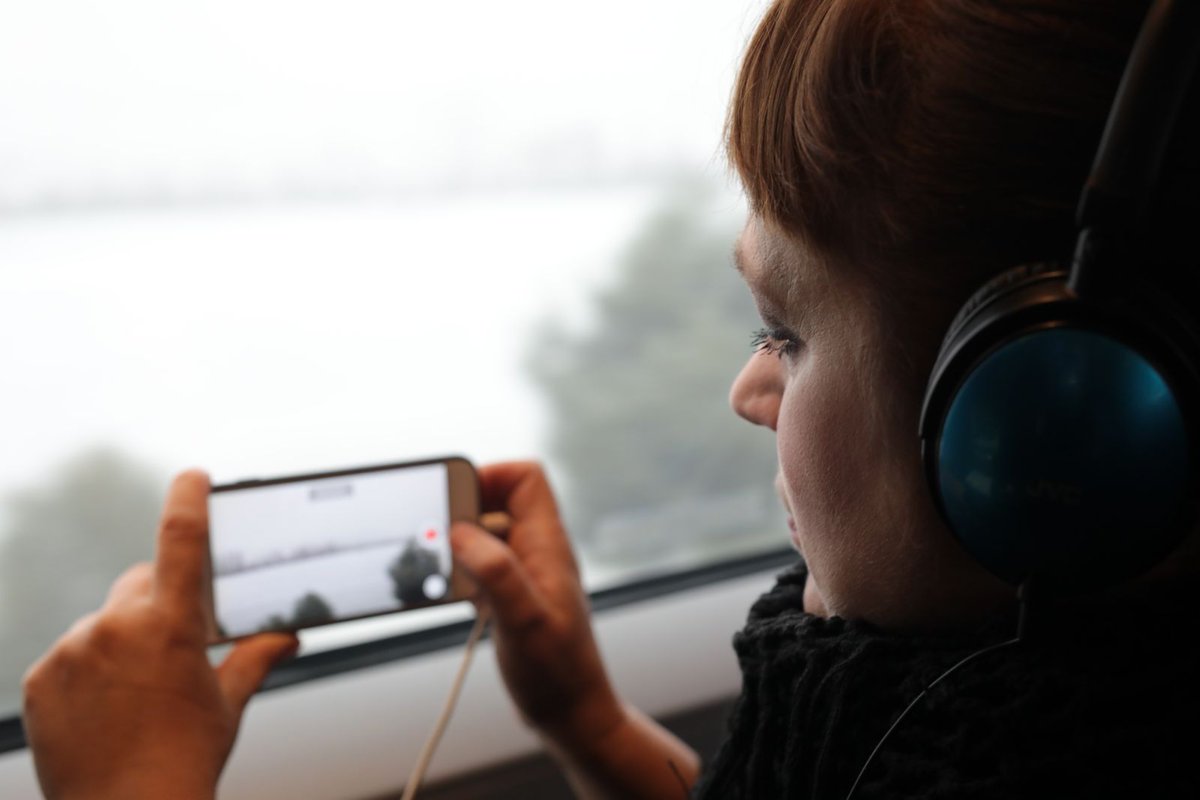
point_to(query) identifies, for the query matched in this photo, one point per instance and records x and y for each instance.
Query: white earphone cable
(439, 727)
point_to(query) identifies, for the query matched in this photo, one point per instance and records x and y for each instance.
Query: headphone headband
(1125, 172)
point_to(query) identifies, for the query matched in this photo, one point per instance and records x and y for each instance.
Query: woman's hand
(548, 655)
(542, 627)
(126, 704)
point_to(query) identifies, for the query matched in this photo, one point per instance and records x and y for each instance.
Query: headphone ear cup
(990, 300)
(999, 285)
(1055, 447)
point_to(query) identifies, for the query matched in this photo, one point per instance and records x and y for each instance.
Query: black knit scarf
(1106, 703)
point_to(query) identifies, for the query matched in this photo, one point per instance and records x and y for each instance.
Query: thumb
(244, 669)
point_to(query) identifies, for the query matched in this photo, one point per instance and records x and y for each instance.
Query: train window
(269, 237)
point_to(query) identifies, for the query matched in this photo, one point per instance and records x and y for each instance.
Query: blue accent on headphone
(1064, 454)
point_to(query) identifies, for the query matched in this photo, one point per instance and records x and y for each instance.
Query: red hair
(893, 134)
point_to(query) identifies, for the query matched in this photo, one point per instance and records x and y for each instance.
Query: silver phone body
(306, 550)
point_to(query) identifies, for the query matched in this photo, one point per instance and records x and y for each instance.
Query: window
(267, 238)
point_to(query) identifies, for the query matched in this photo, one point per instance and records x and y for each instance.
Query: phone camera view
(296, 554)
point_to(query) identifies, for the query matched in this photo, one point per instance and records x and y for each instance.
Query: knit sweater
(1104, 703)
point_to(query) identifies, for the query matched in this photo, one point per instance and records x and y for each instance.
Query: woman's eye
(776, 340)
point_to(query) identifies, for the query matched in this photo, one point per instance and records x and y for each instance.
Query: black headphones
(1060, 432)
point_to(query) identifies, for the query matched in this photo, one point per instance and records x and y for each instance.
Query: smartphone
(296, 552)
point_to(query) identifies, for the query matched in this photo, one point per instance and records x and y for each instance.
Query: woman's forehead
(775, 267)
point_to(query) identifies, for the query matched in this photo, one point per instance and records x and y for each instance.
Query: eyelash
(777, 341)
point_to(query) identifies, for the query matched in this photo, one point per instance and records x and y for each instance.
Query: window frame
(377, 652)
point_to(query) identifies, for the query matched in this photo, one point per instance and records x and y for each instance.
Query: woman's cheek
(825, 439)
(819, 436)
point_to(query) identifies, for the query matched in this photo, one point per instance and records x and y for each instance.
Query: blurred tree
(62, 545)
(409, 571)
(312, 609)
(639, 417)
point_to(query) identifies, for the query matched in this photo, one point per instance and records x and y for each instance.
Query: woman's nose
(758, 389)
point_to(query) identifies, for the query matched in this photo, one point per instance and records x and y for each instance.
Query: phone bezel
(463, 495)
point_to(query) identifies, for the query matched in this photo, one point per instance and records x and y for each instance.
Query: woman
(896, 156)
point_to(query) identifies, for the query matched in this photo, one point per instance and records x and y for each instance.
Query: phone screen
(304, 552)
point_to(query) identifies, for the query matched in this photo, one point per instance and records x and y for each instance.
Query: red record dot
(431, 534)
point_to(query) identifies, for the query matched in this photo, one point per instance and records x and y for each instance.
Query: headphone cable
(1023, 628)
(418, 771)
